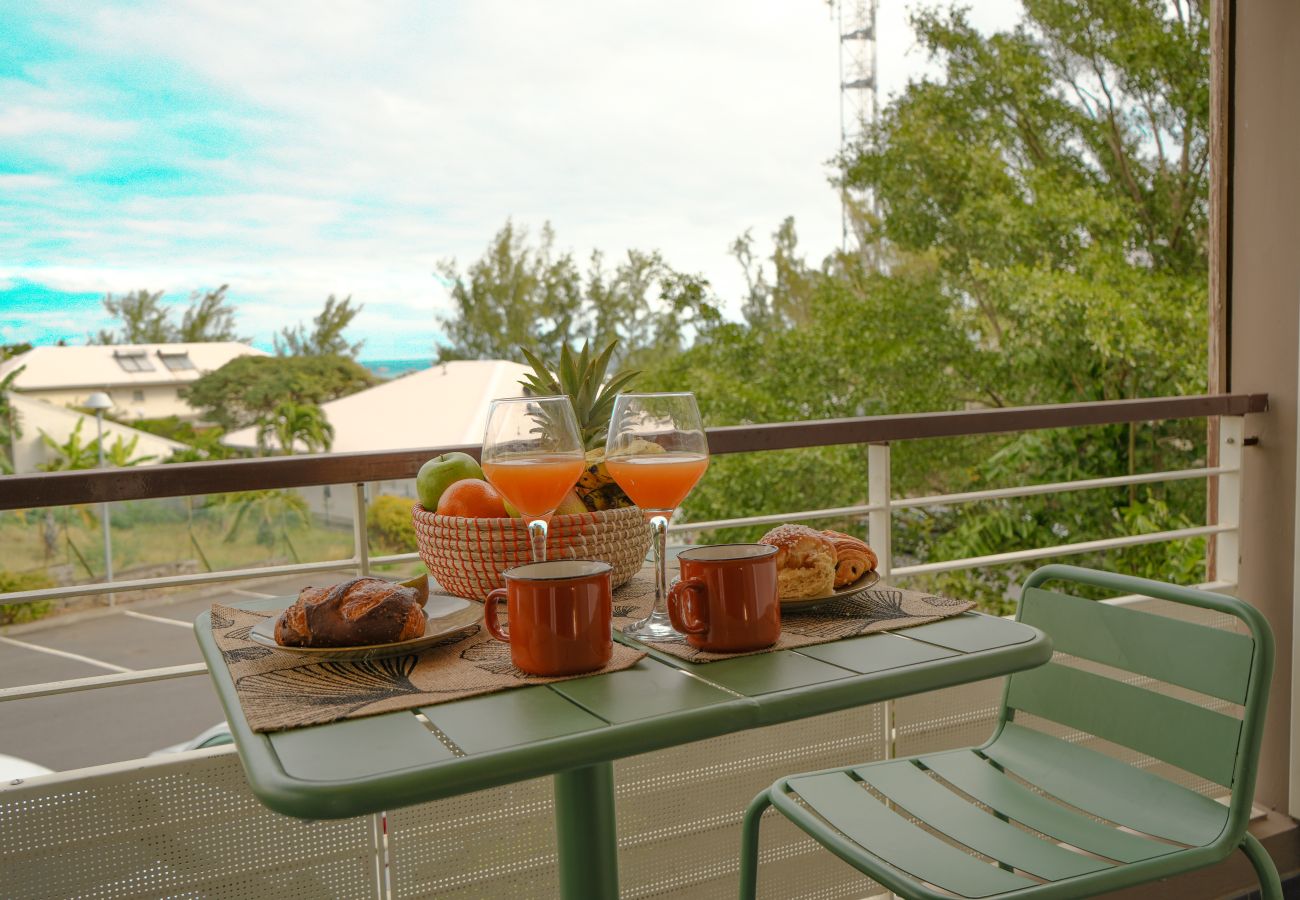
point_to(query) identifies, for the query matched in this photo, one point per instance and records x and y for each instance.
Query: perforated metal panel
(679, 811)
(495, 843)
(183, 827)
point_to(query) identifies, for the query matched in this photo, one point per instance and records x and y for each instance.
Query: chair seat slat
(1193, 656)
(1191, 737)
(976, 777)
(1108, 788)
(946, 812)
(885, 834)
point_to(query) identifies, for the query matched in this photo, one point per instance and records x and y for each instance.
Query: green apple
(511, 511)
(441, 472)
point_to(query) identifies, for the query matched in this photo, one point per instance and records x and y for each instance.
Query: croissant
(355, 613)
(853, 558)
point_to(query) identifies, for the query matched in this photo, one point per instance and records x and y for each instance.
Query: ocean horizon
(395, 368)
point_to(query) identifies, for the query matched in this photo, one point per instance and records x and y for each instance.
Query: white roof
(36, 415)
(98, 366)
(444, 405)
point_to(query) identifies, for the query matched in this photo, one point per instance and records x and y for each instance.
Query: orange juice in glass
(536, 485)
(656, 451)
(533, 455)
(660, 480)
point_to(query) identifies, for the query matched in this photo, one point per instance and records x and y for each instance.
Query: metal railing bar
(996, 559)
(94, 682)
(307, 470)
(773, 519)
(86, 590)
(949, 499)
(1082, 484)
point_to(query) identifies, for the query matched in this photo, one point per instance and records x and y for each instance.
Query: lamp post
(99, 401)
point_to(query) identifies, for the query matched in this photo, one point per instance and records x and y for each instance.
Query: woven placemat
(878, 608)
(278, 689)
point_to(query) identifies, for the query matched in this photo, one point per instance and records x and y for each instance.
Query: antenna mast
(858, 97)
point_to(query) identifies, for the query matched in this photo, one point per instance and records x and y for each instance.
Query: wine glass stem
(659, 538)
(537, 536)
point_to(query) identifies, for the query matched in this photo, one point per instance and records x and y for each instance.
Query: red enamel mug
(560, 614)
(727, 600)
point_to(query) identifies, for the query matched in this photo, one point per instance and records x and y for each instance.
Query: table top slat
(766, 673)
(357, 748)
(971, 632)
(876, 653)
(645, 690)
(510, 718)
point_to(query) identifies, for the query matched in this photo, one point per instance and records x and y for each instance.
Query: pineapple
(582, 377)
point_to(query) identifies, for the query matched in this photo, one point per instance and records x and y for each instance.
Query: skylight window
(133, 362)
(177, 362)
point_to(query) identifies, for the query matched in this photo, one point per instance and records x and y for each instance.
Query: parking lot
(117, 723)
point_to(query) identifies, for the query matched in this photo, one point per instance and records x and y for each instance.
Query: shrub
(13, 613)
(388, 522)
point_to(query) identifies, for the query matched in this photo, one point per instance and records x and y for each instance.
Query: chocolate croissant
(853, 558)
(356, 613)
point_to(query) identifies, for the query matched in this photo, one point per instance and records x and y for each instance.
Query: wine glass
(656, 451)
(533, 455)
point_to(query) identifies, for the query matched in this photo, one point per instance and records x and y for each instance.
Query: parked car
(210, 737)
(13, 768)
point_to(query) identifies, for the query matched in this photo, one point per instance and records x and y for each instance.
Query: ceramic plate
(807, 603)
(445, 615)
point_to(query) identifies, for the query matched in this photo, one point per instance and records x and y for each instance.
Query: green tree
(248, 388)
(79, 453)
(291, 424)
(143, 318)
(272, 513)
(326, 335)
(11, 428)
(522, 293)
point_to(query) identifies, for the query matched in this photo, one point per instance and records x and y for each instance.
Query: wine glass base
(654, 627)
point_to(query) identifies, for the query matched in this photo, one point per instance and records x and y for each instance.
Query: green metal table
(573, 730)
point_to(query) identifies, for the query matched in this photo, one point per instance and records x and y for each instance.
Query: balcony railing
(886, 730)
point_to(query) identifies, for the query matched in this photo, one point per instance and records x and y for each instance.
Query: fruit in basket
(582, 378)
(571, 505)
(440, 473)
(472, 498)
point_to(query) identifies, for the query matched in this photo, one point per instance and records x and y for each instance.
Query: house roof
(107, 366)
(443, 405)
(36, 416)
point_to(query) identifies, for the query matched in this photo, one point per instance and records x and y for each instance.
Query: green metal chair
(1091, 822)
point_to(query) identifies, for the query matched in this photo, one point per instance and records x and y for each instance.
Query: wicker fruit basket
(467, 556)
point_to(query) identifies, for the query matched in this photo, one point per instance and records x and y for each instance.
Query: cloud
(295, 153)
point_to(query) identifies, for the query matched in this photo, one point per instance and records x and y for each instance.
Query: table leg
(586, 833)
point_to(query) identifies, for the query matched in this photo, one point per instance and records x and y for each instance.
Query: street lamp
(99, 402)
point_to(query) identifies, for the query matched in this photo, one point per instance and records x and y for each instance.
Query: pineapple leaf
(568, 371)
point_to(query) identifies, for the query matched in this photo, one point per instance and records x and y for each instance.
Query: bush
(14, 613)
(388, 522)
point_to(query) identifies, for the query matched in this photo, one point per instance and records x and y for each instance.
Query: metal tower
(858, 94)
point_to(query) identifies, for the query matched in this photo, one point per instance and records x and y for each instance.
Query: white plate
(445, 615)
(804, 604)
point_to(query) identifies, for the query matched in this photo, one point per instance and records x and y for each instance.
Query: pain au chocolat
(356, 613)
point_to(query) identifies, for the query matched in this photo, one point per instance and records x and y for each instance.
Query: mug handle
(490, 615)
(688, 618)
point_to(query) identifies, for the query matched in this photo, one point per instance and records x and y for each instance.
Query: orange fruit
(472, 499)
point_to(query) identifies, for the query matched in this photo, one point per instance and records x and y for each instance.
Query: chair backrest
(1226, 665)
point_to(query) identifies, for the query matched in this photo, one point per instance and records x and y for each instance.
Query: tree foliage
(291, 424)
(249, 388)
(525, 293)
(79, 453)
(143, 318)
(325, 337)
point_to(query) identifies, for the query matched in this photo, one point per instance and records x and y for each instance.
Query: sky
(300, 149)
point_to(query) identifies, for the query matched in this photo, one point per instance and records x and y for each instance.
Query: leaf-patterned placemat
(878, 608)
(279, 689)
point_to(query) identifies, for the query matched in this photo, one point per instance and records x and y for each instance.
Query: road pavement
(117, 723)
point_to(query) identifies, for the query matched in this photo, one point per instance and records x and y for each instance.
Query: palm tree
(293, 423)
(10, 428)
(271, 512)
